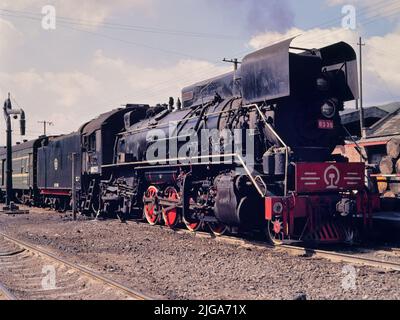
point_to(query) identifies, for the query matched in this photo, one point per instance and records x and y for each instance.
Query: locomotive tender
(271, 167)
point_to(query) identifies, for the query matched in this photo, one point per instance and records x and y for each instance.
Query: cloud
(312, 38)
(57, 97)
(10, 38)
(381, 63)
(382, 66)
(94, 11)
(150, 85)
(70, 98)
(260, 15)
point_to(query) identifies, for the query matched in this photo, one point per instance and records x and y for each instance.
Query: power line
(76, 22)
(126, 27)
(151, 90)
(66, 26)
(311, 37)
(366, 21)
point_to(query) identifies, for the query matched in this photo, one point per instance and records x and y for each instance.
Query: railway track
(28, 272)
(358, 259)
(5, 294)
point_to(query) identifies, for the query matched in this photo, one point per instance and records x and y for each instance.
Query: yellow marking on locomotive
(20, 175)
(21, 158)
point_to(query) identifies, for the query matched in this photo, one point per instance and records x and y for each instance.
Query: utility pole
(361, 105)
(235, 62)
(8, 113)
(45, 123)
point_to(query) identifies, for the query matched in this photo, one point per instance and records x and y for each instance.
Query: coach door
(3, 172)
(29, 170)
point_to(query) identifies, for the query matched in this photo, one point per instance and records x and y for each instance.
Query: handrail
(280, 140)
(251, 176)
(242, 162)
(149, 162)
(358, 147)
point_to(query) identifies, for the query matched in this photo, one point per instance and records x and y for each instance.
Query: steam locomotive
(250, 150)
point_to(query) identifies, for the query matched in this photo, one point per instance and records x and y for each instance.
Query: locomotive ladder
(89, 196)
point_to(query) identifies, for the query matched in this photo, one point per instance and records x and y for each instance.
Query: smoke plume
(261, 15)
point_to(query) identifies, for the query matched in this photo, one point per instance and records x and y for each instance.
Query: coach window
(29, 163)
(92, 142)
(98, 140)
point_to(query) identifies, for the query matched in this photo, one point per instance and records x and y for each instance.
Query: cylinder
(398, 166)
(393, 148)
(386, 165)
(394, 186)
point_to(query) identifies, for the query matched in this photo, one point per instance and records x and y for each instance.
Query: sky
(103, 54)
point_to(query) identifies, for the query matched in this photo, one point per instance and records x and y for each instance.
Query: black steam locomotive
(249, 150)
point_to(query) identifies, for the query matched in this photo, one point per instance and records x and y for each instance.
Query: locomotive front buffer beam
(330, 204)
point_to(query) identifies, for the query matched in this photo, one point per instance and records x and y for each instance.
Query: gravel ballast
(165, 264)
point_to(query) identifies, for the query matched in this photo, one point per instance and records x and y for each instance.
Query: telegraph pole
(361, 105)
(45, 123)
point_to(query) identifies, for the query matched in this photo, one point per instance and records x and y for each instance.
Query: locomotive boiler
(248, 150)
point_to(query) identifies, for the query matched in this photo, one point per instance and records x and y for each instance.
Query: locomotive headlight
(278, 208)
(328, 110)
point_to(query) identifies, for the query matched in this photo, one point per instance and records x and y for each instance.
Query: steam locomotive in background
(290, 186)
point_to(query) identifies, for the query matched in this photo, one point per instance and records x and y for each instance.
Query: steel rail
(6, 293)
(343, 257)
(87, 272)
(298, 250)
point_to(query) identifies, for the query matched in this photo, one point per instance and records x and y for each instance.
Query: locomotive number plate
(326, 124)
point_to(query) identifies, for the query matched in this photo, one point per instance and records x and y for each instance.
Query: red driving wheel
(150, 206)
(171, 216)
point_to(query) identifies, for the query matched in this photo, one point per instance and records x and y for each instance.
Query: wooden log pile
(390, 165)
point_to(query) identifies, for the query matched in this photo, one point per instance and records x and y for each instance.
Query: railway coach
(24, 161)
(91, 147)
